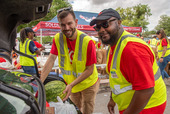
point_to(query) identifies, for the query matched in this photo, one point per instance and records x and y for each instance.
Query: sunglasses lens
(105, 24)
(97, 27)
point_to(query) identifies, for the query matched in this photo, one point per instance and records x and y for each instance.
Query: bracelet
(162, 57)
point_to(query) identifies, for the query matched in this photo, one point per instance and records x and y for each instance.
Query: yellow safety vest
(72, 71)
(24, 48)
(122, 92)
(160, 49)
(153, 42)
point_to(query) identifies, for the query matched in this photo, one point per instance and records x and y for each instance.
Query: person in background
(28, 47)
(77, 57)
(163, 52)
(140, 36)
(136, 83)
(154, 43)
(101, 59)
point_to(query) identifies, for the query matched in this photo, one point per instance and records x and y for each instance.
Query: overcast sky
(158, 7)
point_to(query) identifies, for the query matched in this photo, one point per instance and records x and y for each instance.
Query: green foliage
(56, 4)
(149, 33)
(164, 24)
(45, 39)
(136, 16)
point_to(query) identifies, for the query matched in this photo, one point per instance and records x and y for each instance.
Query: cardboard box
(155, 51)
(50, 110)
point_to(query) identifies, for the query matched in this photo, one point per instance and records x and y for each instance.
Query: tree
(56, 4)
(148, 33)
(164, 24)
(136, 16)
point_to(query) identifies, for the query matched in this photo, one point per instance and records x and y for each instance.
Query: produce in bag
(63, 108)
(12, 79)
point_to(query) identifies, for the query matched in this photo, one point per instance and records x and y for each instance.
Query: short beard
(108, 41)
(73, 31)
(113, 38)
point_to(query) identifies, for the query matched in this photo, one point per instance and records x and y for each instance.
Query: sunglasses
(64, 9)
(104, 25)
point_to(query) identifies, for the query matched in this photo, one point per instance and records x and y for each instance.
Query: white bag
(63, 108)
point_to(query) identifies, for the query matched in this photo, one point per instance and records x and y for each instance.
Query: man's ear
(119, 22)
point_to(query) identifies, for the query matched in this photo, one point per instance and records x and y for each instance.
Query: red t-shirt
(136, 65)
(91, 51)
(164, 42)
(38, 45)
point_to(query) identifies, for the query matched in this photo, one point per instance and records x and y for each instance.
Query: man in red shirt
(77, 57)
(135, 79)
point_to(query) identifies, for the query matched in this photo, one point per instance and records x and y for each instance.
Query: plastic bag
(63, 108)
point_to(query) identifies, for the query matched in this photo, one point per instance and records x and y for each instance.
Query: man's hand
(111, 106)
(68, 91)
(88, 71)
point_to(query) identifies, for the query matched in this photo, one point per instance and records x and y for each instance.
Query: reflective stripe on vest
(117, 89)
(29, 55)
(162, 50)
(61, 41)
(26, 46)
(107, 51)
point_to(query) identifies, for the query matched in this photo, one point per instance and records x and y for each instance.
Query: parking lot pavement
(103, 97)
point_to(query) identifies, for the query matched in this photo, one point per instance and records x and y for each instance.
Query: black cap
(28, 29)
(104, 15)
